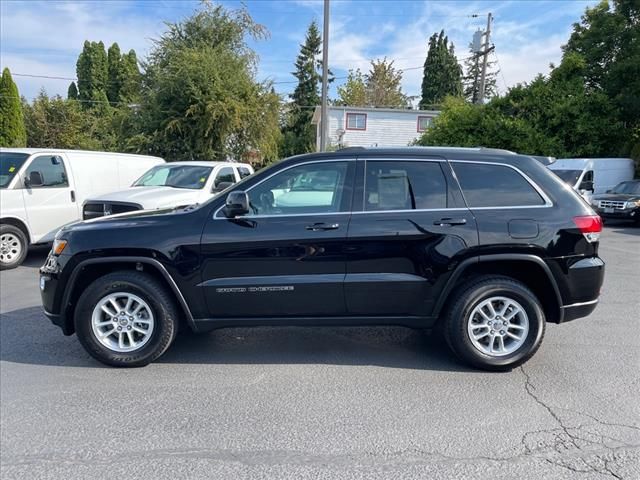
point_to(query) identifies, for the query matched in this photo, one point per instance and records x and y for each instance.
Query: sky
(44, 38)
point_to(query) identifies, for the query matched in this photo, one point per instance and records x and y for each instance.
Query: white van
(42, 189)
(591, 176)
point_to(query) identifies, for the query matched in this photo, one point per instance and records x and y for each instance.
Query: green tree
(383, 85)
(472, 74)
(299, 134)
(114, 73)
(442, 75)
(130, 78)
(608, 39)
(555, 116)
(354, 91)
(72, 91)
(12, 128)
(58, 123)
(201, 99)
(92, 71)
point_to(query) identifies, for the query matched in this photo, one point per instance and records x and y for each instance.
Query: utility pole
(485, 53)
(325, 78)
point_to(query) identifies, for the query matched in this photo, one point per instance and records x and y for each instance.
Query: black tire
(11, 232)
(160, 301)
(470, 295)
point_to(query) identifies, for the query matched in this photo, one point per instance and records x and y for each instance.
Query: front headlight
(632, 204)
(58, 246)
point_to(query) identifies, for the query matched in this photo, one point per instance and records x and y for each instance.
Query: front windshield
(177, 176)
(568, 176)
(10, 163)
(628, 188)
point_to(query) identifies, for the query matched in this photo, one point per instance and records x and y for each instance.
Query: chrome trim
(547, 201)
(581, 304)
(333, 160)
(452, 209)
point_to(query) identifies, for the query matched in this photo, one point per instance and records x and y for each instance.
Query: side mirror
(34, 179)
(586, 185)
(237, 204)
(221, 186)
(609, 191)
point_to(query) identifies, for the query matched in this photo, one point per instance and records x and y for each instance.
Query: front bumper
(51, 294)
(620, 214)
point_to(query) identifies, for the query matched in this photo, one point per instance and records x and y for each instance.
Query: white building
(370, 127)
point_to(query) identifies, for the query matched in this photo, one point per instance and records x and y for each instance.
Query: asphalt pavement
(325, 403)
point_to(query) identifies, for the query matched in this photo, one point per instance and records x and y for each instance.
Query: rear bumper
(578, 310)
(583, 282)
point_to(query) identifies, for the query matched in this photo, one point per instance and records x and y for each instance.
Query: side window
(224, 175)
(51, 170)
(397, 185)
(495, 186)
(305, 189)
(244, 172)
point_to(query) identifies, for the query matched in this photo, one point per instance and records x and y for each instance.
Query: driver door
(51, 204)
(286, 258)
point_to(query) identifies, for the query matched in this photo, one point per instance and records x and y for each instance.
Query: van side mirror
(609, 191)
(586, 185)
(237, 204)
(34, 179)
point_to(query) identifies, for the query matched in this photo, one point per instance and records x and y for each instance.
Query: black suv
(620, 203)
(484, 245)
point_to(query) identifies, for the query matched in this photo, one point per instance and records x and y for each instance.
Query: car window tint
(395, 185)
(51, 167)
(311, 188)
(244, 172)
(495, 186)
(225, 174)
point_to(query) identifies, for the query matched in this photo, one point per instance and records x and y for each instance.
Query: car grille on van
(102, 209)
(611, 204)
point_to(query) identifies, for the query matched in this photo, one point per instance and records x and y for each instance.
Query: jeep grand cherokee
(484, 245)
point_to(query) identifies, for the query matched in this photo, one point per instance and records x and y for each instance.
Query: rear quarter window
(486, 185)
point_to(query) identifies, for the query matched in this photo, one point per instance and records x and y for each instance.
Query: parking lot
(325, 403)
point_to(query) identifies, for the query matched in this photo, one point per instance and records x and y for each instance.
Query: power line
(504, 80)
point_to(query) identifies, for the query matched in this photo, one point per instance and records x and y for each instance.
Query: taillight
(590, 226)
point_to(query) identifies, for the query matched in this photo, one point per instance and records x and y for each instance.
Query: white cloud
(41, 38)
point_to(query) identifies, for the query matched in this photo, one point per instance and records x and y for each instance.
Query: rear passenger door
(508, 206)
(408, 226)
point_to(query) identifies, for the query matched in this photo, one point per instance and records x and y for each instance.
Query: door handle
(73, 196)
(443, 222)
(318, 227)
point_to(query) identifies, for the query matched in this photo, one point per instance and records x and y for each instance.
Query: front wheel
(13, 247)
(494, 323)
(126, 319)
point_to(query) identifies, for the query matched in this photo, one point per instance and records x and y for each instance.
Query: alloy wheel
(498, 326)
(122, 322)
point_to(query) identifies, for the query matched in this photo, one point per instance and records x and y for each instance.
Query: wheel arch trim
(500, 257)
(125, 259)
(18, 223)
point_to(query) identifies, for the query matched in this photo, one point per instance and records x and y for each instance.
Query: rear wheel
(494, 323)
(13, 247)
(126, 319)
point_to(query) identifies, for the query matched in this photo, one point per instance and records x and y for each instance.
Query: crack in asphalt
(573, 439)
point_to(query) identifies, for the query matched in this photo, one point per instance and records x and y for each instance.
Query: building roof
(317, 111)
